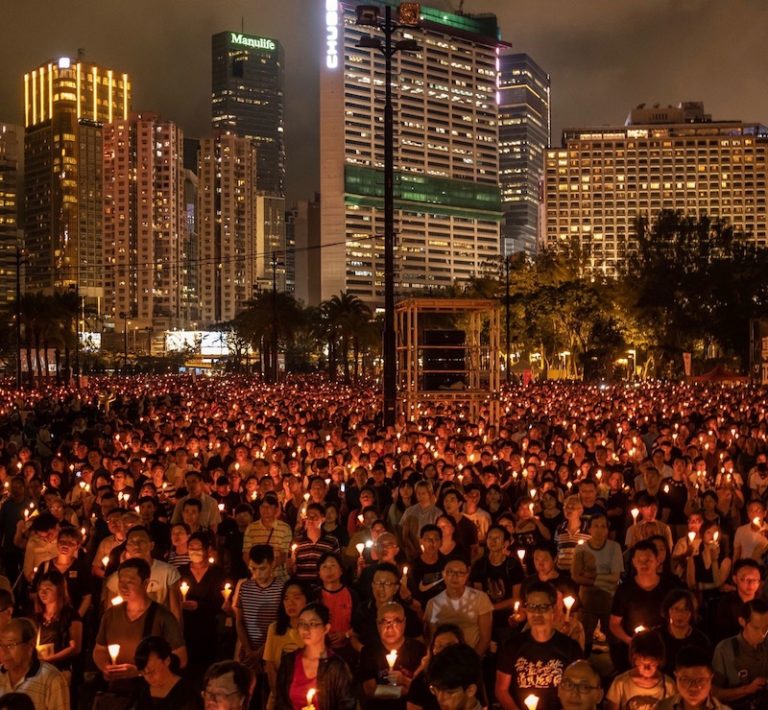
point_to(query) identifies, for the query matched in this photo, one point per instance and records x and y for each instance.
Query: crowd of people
(218, 542)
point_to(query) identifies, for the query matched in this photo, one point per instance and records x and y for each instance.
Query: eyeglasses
(693, 682)
(538, 608)
(581, 688)
(380, 585)
(309, 625)
(12, 645)
(455, 573)
(218, 696)
(390, 623)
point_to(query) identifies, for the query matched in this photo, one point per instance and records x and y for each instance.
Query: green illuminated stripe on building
(424, 193)
(486, 26)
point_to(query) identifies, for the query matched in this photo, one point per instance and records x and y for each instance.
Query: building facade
(145, 222)
(11, 184)
(447, 201)
(66, 104)
(305, 233)
(676, 158)
(271, 249)
(226, 223)
(524, 136)
(248, 87)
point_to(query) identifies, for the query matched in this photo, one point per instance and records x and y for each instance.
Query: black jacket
(334, 683)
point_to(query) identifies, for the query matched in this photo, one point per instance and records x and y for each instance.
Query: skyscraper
(248, 100)
(447, 200)
(524, 135)
(226, 222)
(145, 221)
(11, 174)
(66, 104)
(675, 158)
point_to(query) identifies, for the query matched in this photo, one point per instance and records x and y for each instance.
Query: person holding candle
(341, 602)
(540, 645)
(283, 635)
(270, 530)
(24, 672)
(314, 666)
(203, 603)
(388, 664)
(749, 540)
(647, 525)
(570, 534)
(422, 512)
(60, 629)
(127, 623)
(164, 688)
(209, 518)
(311, 545)
(11, 513)
(644, 684)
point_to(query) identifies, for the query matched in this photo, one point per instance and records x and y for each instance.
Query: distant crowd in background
(217, 542)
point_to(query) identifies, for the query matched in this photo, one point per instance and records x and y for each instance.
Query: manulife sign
(252, 42)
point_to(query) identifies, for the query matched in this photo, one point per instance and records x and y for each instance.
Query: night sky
(604, 56)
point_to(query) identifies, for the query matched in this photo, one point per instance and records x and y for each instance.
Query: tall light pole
(274, 263)
(124, 316)
(19, 262)
(408, 16)
(506, 313)
(75, 290)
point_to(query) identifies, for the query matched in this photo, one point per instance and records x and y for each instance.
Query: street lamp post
(408, 16)
(75, 289)
(124, 316)
(274, 263)
(506, 312)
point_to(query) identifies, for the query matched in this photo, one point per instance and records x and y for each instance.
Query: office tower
(226, 222)
(145, 221)
(248, 100)
(190, 285)
(66, 104)
(270, 256)
(290, 250)
(447, 200)
(524, 135)
(306, 236)
(673, 158)
(11, 181)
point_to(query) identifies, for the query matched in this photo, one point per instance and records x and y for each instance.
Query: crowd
(179, 542)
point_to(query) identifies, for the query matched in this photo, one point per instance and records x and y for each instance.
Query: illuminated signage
(331, 34)
(253, 42)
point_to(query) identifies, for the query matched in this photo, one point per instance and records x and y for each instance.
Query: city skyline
(604, 58)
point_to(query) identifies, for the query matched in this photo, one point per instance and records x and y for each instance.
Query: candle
(360, 519)
(521, 554)
(227, 591)
(691, 536)
(715, 535)
(756, 521)
(635, 512)
(117, 600)
(405, 572)
(293, 549)
(639, 629)
(310, 697)
(184, 589)
(114, 651)
(392, 659)
(569, 602)
(531, 702)
(517, 607)
(360, 547)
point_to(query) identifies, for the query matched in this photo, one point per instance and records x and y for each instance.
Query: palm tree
(347, 316)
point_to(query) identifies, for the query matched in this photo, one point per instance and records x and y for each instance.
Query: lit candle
(756, 521)
(392, 659)
(117, 600)
(569, 602)
(293, 549)
(531, 702)
(639, 629)
(105, 561)
(184, 589)
(114, 652)
(310, 697)
(360, 547)
(521, 554)
(716, 535)
(691, 536)
(227, 591)
(635, 512)
(405, 572)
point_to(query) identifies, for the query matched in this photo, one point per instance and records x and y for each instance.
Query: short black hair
(261, 553)
(140, 565)
(539, 587)
(756, 606)
(648, 644)
(457, 666)
(692, 657)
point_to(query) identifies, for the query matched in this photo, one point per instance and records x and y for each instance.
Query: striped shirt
(43, 683)
(258, 608)
(308, 553)
(566, 542)
(279, 537)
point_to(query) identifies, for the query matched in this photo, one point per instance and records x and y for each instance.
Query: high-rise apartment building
(226, 222)
(66, 104)
(447, 201)
(145, 222)
(673, 158)
(248, 78)
(11, 176)
(524, 136)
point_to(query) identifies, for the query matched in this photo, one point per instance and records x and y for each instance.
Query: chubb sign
(253, 42)
(331, 34)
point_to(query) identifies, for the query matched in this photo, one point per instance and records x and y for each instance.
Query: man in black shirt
(532, 662)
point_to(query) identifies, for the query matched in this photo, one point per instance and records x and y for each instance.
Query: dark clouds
(604, 56)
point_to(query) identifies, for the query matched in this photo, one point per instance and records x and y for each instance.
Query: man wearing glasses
(466, 607)
(455, 678)
(387, 664)
(533, 661)
(228, 686)
(23, 672)
(693, 675)
(580, 687)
